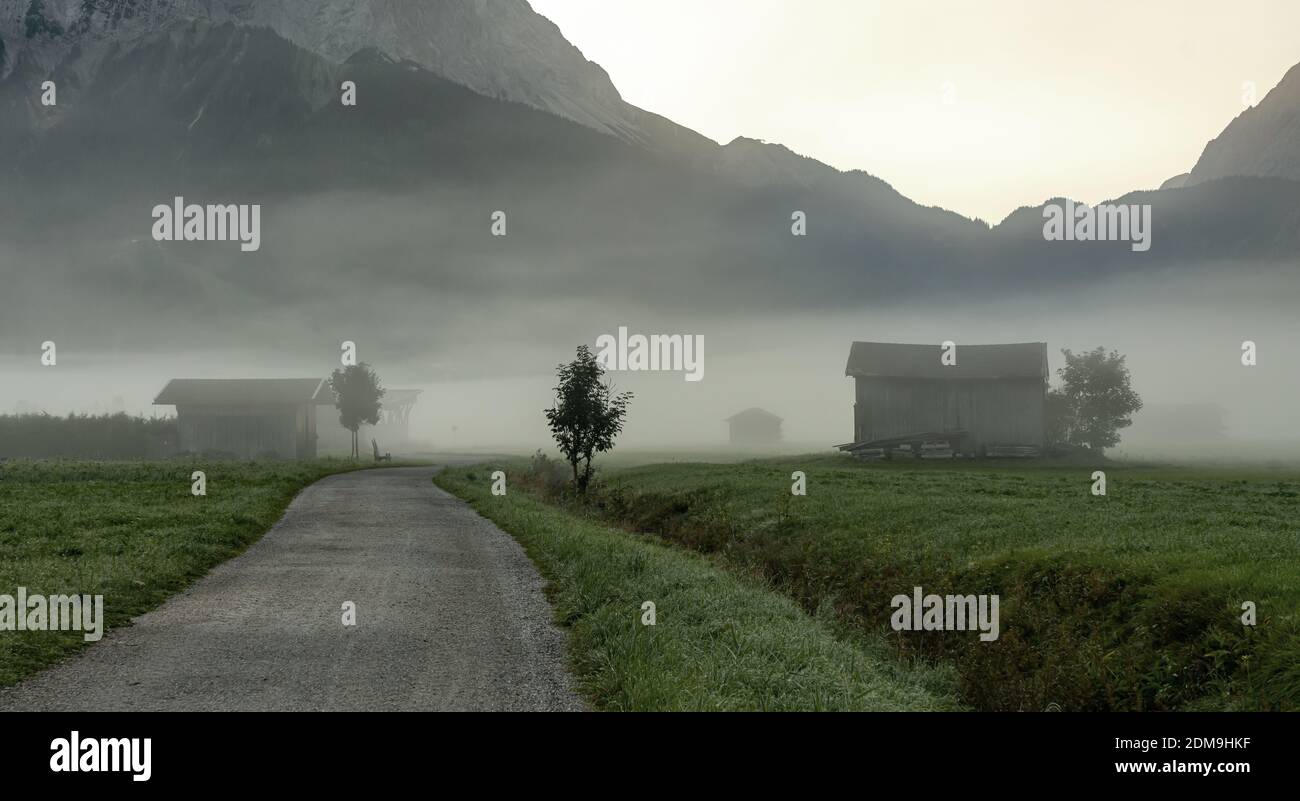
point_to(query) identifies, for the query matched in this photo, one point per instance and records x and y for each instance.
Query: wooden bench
(387, 457)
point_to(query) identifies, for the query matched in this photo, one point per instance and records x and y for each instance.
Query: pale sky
(979, 107)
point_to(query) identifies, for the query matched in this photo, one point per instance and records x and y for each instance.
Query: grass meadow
(1128, 601)
(767, 600)
(130, 531)
(718, 642)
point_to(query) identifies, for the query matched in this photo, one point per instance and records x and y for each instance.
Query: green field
(130, 531)
(1128, 601)
(718, 642)
(771, 601)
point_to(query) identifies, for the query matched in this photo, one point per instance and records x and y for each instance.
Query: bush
(547, 474)
(109, 436)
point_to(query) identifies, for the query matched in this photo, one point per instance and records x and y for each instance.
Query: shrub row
(109, 436)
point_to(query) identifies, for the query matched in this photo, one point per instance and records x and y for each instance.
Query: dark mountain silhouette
(387, 203)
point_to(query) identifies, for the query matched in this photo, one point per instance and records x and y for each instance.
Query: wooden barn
(248, 418)
(990, 402)
(754, 426)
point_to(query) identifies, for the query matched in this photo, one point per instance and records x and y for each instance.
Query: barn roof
(396, 397)
(244, 391)
(753, 413)
(894, 360)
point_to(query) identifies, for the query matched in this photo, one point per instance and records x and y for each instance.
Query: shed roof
(398, 397)
(894, 360)
(753, 413)
(244, 392)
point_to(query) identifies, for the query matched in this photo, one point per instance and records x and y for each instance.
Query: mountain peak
(499, 48)
(1263, 141)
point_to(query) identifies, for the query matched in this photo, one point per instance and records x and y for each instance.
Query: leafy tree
(357, 396)
(1095, 400)
(1057, 418)
(587, 415)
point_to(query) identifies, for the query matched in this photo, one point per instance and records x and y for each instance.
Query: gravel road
(449, 616)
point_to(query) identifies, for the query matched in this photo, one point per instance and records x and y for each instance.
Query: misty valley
(352, 358)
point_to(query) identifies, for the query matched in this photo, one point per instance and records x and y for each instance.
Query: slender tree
(587, 414)
(357, 396)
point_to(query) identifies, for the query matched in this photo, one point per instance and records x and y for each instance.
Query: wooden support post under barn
(908, 402)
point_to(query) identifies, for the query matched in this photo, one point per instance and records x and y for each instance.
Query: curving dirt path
(450, 615)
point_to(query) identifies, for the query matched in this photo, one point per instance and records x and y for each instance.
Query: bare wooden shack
(249, 418)
(754, 426)
(989, 402)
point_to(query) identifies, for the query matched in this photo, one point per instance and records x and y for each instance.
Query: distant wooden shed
(754, 426)
(249, 418)
(990, 400)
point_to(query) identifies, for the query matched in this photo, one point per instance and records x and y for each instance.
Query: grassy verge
(130, 531)
(1128, 601)
(719, 642)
